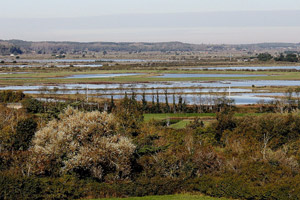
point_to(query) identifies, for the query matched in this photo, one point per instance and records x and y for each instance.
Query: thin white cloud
(84, 8)
(204, 27)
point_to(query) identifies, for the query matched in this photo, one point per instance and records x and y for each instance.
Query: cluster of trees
(16, 129)
(289, 103)
(289, 57)
(178, 103)
(264, 57)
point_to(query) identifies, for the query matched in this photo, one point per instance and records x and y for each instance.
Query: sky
(192, 21)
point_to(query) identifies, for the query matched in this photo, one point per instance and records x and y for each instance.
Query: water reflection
(166, 84)
(205, 75)
(199, 99)
(255, 68)
(98, 75)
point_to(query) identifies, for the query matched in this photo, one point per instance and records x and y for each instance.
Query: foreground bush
(90, 155)
(19, 187)
(68, 187)
(83, 143)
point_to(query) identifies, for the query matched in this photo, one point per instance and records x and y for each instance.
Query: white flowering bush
(83, 143)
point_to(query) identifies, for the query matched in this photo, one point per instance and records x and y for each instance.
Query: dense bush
(264, 57)
(84, 143)
(288, 58)
(19, 187)
(32, 105)
(83, 154)
(8, 96)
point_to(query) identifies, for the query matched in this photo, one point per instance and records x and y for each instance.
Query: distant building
(15, 105)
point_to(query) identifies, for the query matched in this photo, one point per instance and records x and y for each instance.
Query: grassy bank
(186, 118)
(145, 76)
(148, 117)
(169, 197)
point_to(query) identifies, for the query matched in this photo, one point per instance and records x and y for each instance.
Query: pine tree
(157, 103)
(112, 104)
(144, 103)
(167, 108)
(174, 104)
(153, 105)
(180, 103)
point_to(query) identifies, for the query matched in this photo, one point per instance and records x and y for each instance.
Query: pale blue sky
(194, 21)
(77, 8)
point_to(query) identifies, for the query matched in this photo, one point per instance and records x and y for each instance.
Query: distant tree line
(289, 57)
(7, 50)
(77, 47)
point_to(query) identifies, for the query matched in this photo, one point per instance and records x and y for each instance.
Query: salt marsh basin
(99, 75)
(206, 75)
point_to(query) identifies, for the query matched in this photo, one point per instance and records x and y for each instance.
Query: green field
(181, 124)
(169, 197)
(148, 117)
(186, 118)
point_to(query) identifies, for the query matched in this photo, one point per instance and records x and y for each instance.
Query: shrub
(84, 143)
(13, 186)
(32, 105)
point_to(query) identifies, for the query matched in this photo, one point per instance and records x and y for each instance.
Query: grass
(168, 197)
(148, 117)
(147, 76)
(180, 125)
(186, 118)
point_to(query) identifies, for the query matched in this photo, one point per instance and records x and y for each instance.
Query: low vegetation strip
(170, 197)
(148, 117)
(190, 116)
(75, 150)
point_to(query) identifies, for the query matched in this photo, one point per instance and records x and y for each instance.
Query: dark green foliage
(111, 105)
(14, 186)
(24, 132)
(32, 105)
(288, 58)
(8, 96)
(180, 104)
(129, 116)
(157, 107)
(144, 103)
(167, 107)
(264, 57)
(291, 58)
(225, 122)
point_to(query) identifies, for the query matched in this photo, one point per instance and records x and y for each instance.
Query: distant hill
(19, 46)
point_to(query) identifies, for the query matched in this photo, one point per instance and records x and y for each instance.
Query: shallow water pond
(205, 75)
(254, 68)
